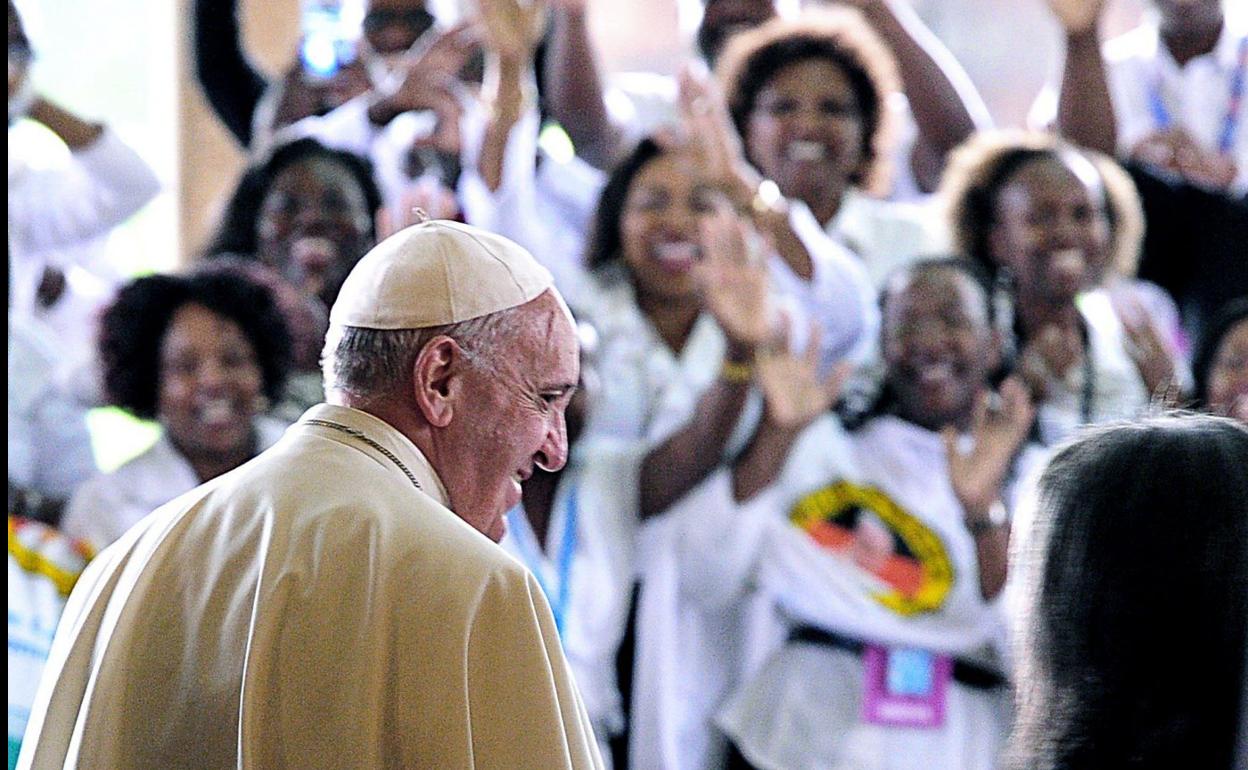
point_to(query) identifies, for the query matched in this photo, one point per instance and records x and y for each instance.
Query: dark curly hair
(983, 165)
(236, 233)
(605, 241)
(134, 326)
(838, 36)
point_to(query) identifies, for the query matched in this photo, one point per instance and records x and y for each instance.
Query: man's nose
(553, 454)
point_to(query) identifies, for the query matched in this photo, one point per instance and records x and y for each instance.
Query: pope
(337, 601)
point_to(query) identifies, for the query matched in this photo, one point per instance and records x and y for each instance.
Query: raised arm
(573, 84)
(232, 85)
(512, 30)
(998, 430)
(947, 107)
(1085, 111)
(794, 396)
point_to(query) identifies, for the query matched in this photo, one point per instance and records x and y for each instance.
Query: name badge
(905, 687)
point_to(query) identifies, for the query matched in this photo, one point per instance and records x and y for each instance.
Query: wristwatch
(996, 519)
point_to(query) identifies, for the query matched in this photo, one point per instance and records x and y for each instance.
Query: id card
(905, 687)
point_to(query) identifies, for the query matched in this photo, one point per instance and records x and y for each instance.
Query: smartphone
(329, 38)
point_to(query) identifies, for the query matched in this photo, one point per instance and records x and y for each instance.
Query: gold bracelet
(736, 372)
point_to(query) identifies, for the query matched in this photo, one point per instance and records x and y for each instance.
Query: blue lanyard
(1230, 126)
(531, 551)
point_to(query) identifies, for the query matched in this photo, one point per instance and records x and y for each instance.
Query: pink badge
(905, 687)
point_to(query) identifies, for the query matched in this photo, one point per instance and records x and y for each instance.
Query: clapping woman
(881, 545)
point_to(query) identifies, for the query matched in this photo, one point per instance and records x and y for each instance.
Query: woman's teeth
(804, 150)
(677, 254)
(1068, 260)
(313, 250)
(935, 372)
(216, 412)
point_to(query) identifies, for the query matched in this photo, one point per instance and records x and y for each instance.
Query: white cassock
(311, 608)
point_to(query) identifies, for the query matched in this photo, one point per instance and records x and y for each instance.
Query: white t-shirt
(1116, 391)
(49, 446)
(863, 536)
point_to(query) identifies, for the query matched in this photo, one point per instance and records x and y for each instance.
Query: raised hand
(1077, 16)
(999, 426)
(512, 27)
(1175, 150)
(732, 277)
(1050, 354)
(708, 132)
(794, 392)
(1153, 358)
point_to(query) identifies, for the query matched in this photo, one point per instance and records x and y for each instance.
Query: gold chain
(362, 437)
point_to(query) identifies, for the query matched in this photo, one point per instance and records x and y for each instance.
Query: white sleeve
(718, 542)
(346, 127)
(105, 184)
(541, 209)
(1128, 90)
(511, 205)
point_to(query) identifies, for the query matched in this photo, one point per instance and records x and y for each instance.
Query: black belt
(964, 672)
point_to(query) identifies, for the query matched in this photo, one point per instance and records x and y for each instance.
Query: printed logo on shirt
(909, 560)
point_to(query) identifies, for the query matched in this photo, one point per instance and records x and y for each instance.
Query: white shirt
(108, 505)
(1196, 96)
(686, 654)
(1117, 391)
(546, 207)
(888, 235)
(59, 216)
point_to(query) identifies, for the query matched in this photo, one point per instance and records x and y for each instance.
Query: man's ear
(437, 379)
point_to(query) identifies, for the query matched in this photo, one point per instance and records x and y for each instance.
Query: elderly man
(322, 606)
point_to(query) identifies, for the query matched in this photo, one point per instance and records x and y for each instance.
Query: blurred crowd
(833, 325)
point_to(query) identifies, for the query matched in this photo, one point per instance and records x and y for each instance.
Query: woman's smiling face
(806, 131)
(659, 225)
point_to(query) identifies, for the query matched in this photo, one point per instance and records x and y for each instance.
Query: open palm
(794, 392)
(997, 431)
(732, 277)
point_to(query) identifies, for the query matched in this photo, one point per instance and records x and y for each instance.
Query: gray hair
(371, 362)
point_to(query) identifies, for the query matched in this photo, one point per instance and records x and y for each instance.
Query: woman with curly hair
(202, 354)
(810, 98)
(1045, 223)
(306, 211)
